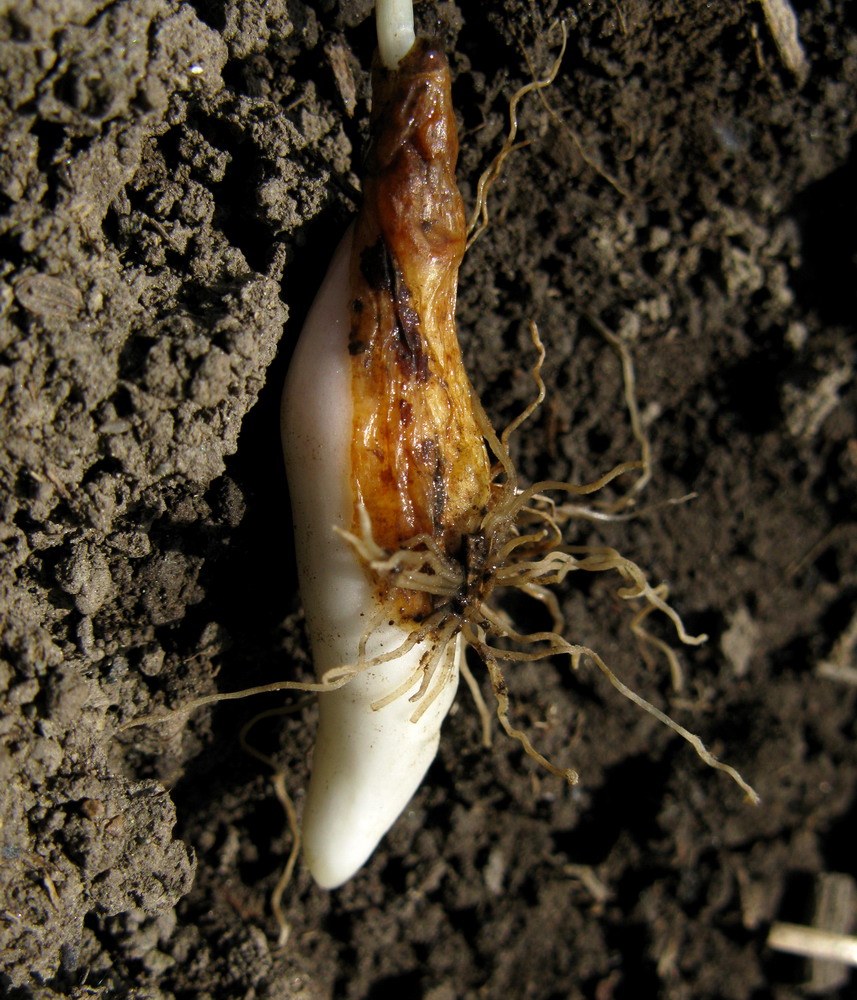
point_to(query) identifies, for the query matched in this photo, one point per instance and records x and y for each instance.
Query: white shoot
(394, 20)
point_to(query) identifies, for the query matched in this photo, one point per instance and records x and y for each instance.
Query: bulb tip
(368, 763)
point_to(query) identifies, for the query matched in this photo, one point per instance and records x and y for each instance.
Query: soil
(173, 180)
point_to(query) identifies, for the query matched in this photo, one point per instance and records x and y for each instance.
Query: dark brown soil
(173, 178)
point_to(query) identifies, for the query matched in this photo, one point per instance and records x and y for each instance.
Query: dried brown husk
(419, 462)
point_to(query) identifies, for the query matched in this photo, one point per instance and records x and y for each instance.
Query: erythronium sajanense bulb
(379, 430)
(403, 527)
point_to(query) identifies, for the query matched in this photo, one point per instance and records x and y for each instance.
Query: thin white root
(676, 673)
(691, 738)
(629, 388)
(540, 386)
(342, 676)
(479, 220)
(278, 780)
(552, 645)
(602, 558)
(479, 701)
(517, 500)
(501, 696)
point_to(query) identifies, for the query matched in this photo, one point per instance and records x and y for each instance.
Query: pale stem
(394, 20)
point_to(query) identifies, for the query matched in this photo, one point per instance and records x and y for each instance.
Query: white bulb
(367, 763)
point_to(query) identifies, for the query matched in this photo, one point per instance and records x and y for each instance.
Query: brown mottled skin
(418, 459)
